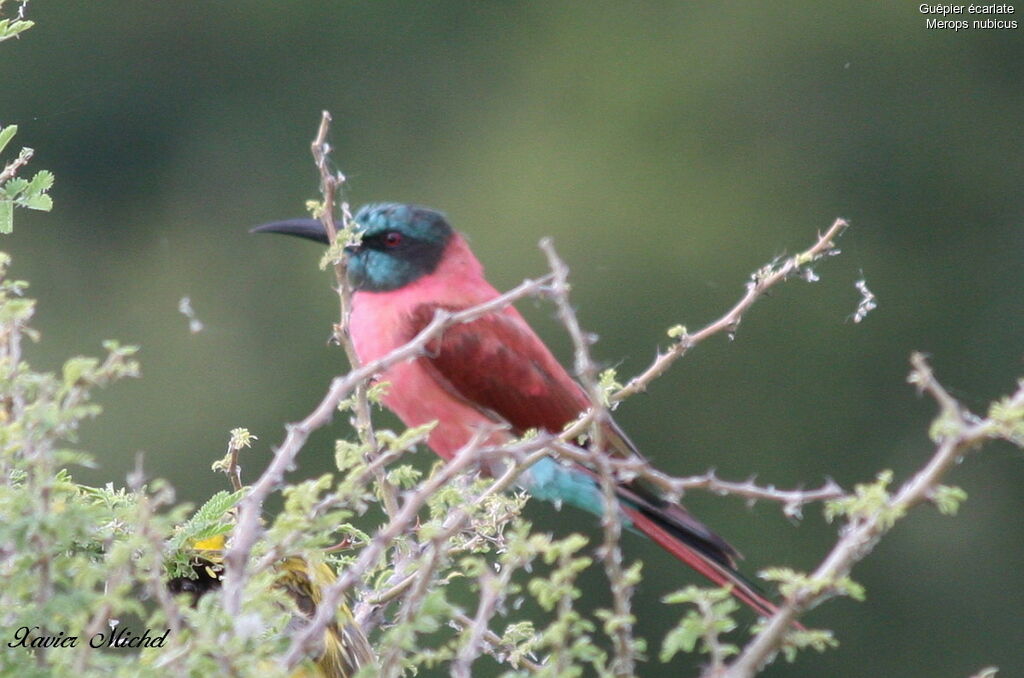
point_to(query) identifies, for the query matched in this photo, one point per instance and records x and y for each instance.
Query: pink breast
(379, 324)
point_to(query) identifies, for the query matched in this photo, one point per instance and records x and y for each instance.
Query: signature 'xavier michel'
(409, 263)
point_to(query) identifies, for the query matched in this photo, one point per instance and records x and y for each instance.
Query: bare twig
(330, 183)
(674, 487)
(621, 629)
(390, 663)
(792, 501)
(491, 588)
(11, 169)
(240, 438)
(760, 282)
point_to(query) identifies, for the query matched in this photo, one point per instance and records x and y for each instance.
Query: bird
(491, 372)
(345, 649)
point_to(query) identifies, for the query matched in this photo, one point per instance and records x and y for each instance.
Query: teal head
(399, 244)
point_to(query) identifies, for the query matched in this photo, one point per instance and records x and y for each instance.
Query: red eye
(392, 239)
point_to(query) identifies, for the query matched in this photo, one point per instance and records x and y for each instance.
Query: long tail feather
(667, 524)
(707, 564)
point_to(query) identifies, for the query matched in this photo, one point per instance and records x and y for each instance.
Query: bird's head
(399, 244)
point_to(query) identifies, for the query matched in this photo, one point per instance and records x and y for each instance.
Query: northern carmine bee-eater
(493, 370)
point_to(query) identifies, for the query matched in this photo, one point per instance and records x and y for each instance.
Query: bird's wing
(497, 364)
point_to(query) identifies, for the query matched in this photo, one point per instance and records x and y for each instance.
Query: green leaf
(14, 188)
(79, 370)
(704, 625)
(9, 29)
(32, 194)
(6, 134)
(348, 455)
(683, 638)
(6, 216)
(947, 499)
(609, 385)
(818, 640)
(41, 202)
(210, 520)
(240, 437)
(868, 501)
(404, 476)
(792, 583)
(42, 181)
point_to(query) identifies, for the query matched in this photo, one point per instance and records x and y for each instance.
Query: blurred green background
(669, 148)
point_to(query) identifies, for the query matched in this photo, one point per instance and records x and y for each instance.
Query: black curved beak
(311, 229)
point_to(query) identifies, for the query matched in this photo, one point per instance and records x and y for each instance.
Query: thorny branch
(491, 588)
(611, 554)
(232, 469)
(762, 280)
(792, 501)
(13, 166)
(674, 488)
(961, 432)
(330, 183)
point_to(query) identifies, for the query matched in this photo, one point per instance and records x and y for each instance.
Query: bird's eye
(392, 239)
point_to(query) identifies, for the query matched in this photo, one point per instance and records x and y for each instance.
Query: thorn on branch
(759, 283)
